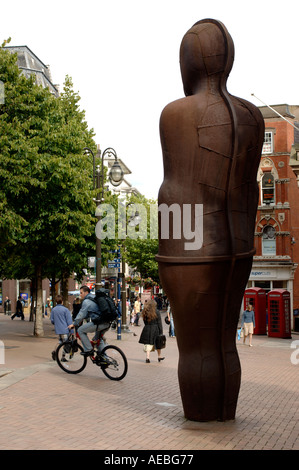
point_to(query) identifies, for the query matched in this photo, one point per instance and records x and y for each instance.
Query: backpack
(108, 310)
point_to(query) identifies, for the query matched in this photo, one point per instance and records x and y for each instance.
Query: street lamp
(115, 177)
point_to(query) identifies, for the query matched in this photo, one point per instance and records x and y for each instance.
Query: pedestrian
(171, 324)
(76, 307)
(132, 316)
(7, 306)
(137, 308)
(248, 324)
(48, 307)
(128, 315)
(19, 309)
(158, 299)
(152, 328)
(61, 318)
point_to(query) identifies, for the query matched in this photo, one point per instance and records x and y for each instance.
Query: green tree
(46, 194)
(141, 246)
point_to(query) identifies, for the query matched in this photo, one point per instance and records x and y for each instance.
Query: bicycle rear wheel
(69, 360)
(114, 363)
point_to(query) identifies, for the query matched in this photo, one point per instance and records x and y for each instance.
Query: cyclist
(88, 306)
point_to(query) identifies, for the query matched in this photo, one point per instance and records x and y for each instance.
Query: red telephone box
(279, 313)
(256, 296)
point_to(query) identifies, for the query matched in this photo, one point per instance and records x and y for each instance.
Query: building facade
(277, 221)
(30, 64)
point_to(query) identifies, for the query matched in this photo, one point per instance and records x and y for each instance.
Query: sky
(123, 58)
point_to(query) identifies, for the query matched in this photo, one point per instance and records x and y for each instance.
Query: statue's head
(207, 51)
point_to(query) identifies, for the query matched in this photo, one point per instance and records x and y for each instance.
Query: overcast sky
(123, 57)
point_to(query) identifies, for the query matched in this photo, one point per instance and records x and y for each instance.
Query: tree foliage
(47, 213)
(141, 246)
(47, 223)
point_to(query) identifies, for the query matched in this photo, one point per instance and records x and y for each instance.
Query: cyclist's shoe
(54, 355)
(87, 353)
(102, 360)
(103, 357)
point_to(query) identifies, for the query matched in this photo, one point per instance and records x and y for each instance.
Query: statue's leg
(206, 300)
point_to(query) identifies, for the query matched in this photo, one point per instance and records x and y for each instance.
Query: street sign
(113, 265)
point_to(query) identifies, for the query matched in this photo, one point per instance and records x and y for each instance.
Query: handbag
(167, 321)
(160, 342)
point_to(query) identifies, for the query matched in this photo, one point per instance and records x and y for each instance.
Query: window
(275, 317)
(280, 284)
(268, 143)
(269, 241)
(268, 188)
(266, 285)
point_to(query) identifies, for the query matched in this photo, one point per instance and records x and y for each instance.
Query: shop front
(271, 275)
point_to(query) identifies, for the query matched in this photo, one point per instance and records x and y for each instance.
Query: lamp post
(115, 177)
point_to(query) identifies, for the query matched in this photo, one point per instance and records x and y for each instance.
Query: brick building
(277, 221)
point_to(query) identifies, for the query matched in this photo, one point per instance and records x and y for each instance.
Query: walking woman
(248, 323)
(152, 328)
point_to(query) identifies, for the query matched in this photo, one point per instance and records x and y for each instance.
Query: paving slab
(43, 408)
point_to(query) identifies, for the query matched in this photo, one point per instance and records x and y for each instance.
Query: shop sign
(262, 274)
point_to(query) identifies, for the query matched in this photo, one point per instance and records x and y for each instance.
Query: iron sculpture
(211, 143)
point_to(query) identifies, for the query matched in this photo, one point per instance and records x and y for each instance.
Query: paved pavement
(43, 408)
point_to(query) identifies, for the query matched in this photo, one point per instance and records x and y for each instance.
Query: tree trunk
(64, 289)
(38, 325)
(53, 288)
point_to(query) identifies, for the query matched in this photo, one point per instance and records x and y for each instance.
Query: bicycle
(112, 360)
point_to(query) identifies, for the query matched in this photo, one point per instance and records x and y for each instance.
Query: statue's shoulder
(174, 106)
(182, 109)
(246, 108)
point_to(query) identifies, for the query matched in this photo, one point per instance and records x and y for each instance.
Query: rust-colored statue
(211, 144)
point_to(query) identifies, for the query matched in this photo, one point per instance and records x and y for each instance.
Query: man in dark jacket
(19, 309)
(7, 306)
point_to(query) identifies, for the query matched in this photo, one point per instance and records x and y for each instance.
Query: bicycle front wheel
(69, 360)
(114, 363)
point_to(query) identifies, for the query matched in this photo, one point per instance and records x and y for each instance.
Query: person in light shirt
(248, 323)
